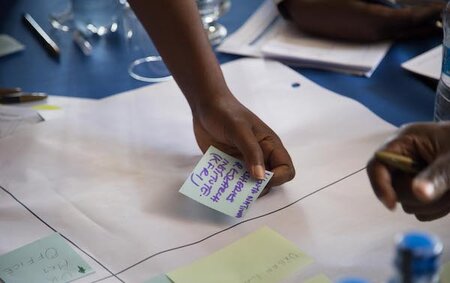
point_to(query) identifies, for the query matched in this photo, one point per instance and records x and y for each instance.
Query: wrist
(211, 101)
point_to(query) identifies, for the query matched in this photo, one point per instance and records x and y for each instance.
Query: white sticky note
(9, 45)
(221, 182)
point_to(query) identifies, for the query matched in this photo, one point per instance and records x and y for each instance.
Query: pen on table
(19, 97)
(4, 91)
(43, 37)
(397, 161)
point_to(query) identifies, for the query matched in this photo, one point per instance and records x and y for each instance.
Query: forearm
(176, 30)
(219, 119)
(360, 21)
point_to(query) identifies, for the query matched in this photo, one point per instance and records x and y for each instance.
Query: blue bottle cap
(418, 253)
(352, 280)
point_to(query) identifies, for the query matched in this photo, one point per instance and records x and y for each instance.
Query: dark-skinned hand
(361, 21)
(427, 193)
(234, 129)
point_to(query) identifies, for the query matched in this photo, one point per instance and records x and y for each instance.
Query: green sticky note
(263, 256)
(445, 273)
(221, 182)
(48, 260)
(159, 279)
(46, 107)
(321, 278)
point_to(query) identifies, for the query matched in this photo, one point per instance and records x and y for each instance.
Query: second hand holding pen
(397, 161)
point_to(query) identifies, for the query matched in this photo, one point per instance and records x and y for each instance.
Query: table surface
(392, 93)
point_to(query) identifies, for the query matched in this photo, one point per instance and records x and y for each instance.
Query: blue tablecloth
(394, 94)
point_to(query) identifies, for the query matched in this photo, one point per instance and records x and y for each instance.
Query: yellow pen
(398, 161)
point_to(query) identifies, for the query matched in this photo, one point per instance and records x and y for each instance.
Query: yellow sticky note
(321, 278)
(263, 256)
(46, 107)
(445, 273)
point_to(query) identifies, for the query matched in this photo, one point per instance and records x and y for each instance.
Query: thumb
(434, 181)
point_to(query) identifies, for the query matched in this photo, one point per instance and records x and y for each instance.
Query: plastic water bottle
(442, 104)
(417, 258)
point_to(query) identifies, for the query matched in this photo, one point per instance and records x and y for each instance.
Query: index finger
(381, 181)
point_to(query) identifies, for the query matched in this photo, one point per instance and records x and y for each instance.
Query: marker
(20, 97)
(51, 47)
(397, 161)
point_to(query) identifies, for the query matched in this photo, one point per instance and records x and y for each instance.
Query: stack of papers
(266, 34)
(427, 64)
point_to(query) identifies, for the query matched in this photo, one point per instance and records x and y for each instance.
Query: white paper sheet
(266, 34)
(19, 116)
(13, 118)
(107, 177)
(428, 64)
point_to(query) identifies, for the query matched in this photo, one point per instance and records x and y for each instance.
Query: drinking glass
(152, 68)
(90, 17)
(210, 11)
(147, 65)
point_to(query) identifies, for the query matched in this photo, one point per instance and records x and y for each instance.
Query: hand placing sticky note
(49, 259)
(221, 182)
(263, 256)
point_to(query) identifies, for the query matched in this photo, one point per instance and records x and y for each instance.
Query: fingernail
(258, 172)
(424, 189)
(388, 204)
